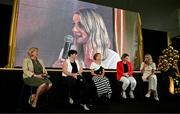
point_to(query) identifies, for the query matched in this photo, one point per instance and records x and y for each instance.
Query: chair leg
(18, 109)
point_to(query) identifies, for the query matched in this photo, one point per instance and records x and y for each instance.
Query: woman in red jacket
(125, 75)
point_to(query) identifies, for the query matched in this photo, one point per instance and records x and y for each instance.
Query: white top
(111, 60)
(69, 66)
(109, 63)
(95, 66)
(148, 69)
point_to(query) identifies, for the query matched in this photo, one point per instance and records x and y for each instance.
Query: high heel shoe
(30, 100)
(33, 105)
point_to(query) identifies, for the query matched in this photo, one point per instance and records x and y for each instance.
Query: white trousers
(152, 83)
(128, 80)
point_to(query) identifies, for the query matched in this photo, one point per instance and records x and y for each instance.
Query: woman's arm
(119, 70)
(25, 68)
(80, 70)
(153, 68)
(44, 69)
(39, 76)
(143, 65)
(92, 73)
(103, 72)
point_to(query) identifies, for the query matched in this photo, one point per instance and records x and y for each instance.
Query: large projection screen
(44, 24)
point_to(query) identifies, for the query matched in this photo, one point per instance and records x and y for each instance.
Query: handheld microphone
(67, 45)
(145, 60)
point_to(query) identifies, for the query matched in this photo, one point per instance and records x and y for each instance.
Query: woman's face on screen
(78, 30)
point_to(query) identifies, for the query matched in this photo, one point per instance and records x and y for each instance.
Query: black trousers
(78, 89)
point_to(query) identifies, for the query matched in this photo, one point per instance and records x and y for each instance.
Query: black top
(74, 67)
(38, 69)
(99, 71)
(125, 68)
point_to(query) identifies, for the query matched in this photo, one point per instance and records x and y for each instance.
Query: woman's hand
(142, 69)
(39, 76)
(101, 75)
(44, 74)
(125, 74)
(75, 75)
(144, 78)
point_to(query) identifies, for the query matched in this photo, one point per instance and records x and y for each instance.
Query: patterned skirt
(102, 85)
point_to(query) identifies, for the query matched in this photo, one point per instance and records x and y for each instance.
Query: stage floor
(118, 106)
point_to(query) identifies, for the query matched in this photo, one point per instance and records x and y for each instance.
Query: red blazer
(120, 70)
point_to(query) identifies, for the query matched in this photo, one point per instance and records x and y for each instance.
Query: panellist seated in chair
(76, 83)
(125, 75)
(35, 75)
(147, 68)
(101, 81)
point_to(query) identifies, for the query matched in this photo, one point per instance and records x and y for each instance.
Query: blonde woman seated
(147, 68)
(101, 82)
(35, 75)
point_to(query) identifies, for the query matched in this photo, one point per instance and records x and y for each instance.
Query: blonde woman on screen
(147, 68)
(90, 37)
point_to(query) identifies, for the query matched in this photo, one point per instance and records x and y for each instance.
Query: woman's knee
(133, 82)
(153, 77)
(126, 82)
(49, 85)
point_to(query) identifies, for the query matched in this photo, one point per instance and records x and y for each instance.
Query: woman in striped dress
(101, 82)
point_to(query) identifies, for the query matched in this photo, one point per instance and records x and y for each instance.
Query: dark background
(5, 21)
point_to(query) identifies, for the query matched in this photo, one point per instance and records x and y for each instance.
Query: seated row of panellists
(35, 75)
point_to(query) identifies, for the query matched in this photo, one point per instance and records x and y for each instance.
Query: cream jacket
(28, 69)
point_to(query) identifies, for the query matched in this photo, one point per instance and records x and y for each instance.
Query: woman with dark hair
(77, 85)
(125, 75)
(101, 82)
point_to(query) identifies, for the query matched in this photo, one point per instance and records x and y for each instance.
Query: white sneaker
(85, 106)
(147, 95)
(124, 95)
(156, 98)
(71, 100)
(131, 94)
(109, 96)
